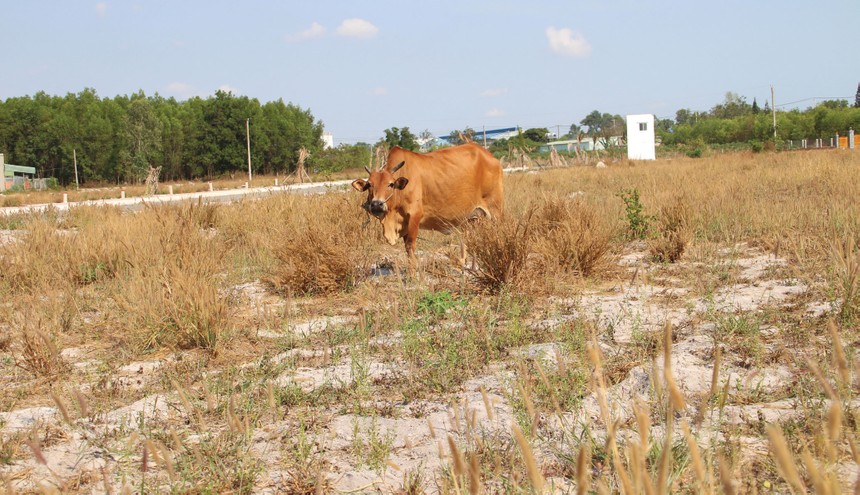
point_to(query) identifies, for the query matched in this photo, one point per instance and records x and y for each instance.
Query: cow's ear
(400, 183)
(360, 185)
(398, 167)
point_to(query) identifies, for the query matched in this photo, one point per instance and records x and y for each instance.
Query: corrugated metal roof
(9, 170)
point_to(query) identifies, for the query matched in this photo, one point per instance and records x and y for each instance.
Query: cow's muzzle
(376, 208)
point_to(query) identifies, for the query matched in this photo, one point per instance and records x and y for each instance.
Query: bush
(571, 236)
(673, 232)
(695, 152)
(638, 222)
(500, 247)
(326, 256)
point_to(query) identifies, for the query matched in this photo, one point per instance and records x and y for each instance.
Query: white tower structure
(640, 137)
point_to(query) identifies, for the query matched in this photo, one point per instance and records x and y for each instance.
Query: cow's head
(381, 187)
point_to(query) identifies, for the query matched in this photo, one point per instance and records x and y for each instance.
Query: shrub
(673, 233)
(570, 236)
(172, 292)
(639, 224)
(332, 253)
(500, 247)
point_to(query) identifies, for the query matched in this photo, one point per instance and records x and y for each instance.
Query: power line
(813, 98)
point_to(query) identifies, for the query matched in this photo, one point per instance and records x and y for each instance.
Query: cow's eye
(391, 185)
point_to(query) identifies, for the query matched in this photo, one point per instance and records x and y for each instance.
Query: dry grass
(185, 282)
(329, 252)
(571, 236)
(500, 248)
(673, 233)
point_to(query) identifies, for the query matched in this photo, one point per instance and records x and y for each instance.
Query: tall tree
(143, 132)
(857, 97)
(537, 134)
(603, 126)
(400, 137)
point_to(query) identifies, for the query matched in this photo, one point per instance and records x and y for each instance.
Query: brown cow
(437, 191)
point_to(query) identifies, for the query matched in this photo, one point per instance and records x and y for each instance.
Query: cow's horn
(398, 166)
(367, 169)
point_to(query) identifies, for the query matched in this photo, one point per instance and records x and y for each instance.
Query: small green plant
(374, 449)
(695, 152)
(639, 223)
(436, 304)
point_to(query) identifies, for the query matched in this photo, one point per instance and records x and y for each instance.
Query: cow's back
(453, 183)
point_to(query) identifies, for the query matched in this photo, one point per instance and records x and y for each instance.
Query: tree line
(737, 121)
(734, 120)
(118, 139)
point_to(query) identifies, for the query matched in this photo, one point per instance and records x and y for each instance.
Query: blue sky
(365, 66)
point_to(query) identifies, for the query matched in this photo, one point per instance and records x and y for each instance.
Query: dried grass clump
(327, 253)
(846, 259)
(39, 260)
(570, 236)
(172, 292)
(674, 232)
(500, 248)
(36, 330)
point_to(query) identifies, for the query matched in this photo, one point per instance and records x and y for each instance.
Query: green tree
(857, 97)
(755, 108)
(400, 137)
(143, 139)
(602, 126)
(575, 132)
(684, 116)
(537, 134)
(343, 157)
(733, 106)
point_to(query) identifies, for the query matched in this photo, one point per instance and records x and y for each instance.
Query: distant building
(584, 144)
(480, 136)
(15, 175)
(640, 137)
(328, 140)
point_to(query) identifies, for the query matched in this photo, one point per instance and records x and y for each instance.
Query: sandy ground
(417, 432)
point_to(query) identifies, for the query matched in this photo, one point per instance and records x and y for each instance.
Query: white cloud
(493, 92)
(228, 89)
(379, 91)
(357, 28)
(567, 42)
(316, 30)
(181, 90)
(101, 9)
(494, 113)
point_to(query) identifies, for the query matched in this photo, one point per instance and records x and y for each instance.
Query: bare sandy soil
(412, 436)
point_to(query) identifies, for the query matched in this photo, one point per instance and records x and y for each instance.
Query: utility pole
(773, 107)
(75, 159)
(248, 139)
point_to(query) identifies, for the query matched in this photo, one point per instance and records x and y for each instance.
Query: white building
(640, 137)
(328, 140)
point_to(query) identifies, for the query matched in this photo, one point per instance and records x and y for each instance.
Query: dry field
(680, 326)
(113, 191)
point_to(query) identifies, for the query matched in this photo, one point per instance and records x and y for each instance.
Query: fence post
(851, 138)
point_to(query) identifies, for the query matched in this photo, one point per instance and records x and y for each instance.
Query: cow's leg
(410, 239)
